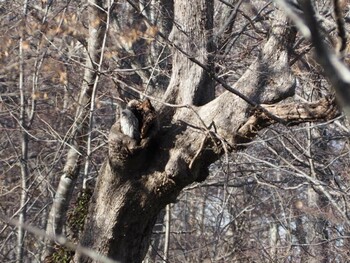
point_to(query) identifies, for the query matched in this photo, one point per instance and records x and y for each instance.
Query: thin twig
(61, 240)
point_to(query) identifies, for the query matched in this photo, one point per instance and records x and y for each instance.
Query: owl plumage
(145, 114)
(129, 124)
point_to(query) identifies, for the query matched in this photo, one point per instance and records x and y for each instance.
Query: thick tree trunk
(192, 32)
(136, 187)
(138, 180)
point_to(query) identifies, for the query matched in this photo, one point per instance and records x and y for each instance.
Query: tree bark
(192, 32)
(138, 180)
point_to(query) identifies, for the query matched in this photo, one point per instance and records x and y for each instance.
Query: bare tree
(25, 124)
(143, 178)
(214, 89)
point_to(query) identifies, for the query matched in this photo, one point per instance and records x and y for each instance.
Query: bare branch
(334, 69)
(59, 239)
(291, 113)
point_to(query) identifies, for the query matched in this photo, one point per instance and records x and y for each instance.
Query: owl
(129, 124)
(146, 115)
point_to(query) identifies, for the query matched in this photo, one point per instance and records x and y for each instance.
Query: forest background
(245, 157)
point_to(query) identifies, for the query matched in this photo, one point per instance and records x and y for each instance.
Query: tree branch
(334, 69)
(292, 113)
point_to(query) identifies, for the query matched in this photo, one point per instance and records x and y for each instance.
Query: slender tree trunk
(167, 232)
(24, 152)
(77, 137)
(273, 241)
(300, 232)
(312, 202)
(201, 255)
(318, 202)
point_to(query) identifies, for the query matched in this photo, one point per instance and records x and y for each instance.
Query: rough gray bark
(192, 32)
(138, 180)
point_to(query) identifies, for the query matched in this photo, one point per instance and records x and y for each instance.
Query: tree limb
(292, 113)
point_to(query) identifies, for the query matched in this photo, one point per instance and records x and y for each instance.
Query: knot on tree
(131, 136)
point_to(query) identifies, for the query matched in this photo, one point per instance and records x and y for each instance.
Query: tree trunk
(167, 233)
(137, 194)
(137, 180)
(300, 232)
(97, 30)
(24, 151)
(189, 83)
